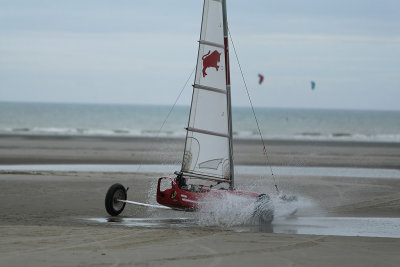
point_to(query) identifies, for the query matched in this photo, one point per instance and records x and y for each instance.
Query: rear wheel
(114, 194)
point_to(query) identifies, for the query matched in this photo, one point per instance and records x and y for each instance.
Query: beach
(37, 149)
(56, 218)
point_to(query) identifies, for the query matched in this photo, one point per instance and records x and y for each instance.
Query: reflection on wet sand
(339, 226)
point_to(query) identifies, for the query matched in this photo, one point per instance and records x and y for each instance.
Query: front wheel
(263, 210)
(114, 194)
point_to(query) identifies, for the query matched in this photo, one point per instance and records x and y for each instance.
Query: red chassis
(174, 193)
(191, 197)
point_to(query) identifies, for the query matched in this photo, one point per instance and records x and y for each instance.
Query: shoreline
(182, 138)
(240, 170)
(31, 149)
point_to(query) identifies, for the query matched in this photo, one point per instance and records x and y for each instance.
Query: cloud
(127, 51)
(94, 52)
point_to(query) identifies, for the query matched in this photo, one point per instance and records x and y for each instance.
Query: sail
(208, 148)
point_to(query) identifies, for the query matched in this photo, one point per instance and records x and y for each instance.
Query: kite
(261, 78)
(312, 85)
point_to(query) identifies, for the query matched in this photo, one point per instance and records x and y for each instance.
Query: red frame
(182, 199)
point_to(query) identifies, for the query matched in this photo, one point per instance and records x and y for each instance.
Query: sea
(122, 120)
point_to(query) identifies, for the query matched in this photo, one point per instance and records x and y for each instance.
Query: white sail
(208, 149)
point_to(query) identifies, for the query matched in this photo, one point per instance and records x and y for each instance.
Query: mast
(228, 92)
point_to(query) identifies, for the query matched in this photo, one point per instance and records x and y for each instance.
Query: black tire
(113, 206)
(264, 209)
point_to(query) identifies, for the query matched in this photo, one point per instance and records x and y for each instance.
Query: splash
(152, 192)
(230, 210)
(233, 210)
(301, 206)
(227, 210)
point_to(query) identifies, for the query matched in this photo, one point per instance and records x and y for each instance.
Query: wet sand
(44, 215)
(131, 150)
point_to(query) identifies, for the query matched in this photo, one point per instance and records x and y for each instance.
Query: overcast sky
(142, 52)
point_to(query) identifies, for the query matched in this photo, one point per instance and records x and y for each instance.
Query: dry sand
(44, 214)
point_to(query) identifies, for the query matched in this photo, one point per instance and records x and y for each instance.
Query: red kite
(261, 78)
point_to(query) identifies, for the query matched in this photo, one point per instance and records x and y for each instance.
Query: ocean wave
(18, 130)
(311, 134)
(144, 121)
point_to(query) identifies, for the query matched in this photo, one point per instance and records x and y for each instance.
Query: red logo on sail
(210, 61)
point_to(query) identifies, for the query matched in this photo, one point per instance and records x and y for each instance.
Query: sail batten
(200, 176)
(217, 90)
(211, 44)
(207, 132)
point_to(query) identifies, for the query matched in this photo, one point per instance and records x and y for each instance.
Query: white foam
(227, 210)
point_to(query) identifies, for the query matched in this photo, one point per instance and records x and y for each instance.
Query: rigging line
(254, 114)
(176, 101)
(170, 110)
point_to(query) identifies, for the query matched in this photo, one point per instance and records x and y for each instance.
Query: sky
(143, 52)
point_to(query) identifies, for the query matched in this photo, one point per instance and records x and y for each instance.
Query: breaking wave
(145, 121)
(54, 131)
